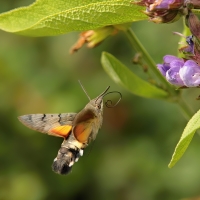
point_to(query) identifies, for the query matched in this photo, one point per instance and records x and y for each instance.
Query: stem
(187, 112)
(147, 58)
(151, 64)
(196, 11)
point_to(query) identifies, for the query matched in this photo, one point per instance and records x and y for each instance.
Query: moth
(77, 129)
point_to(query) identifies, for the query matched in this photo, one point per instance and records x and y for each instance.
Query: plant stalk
(147, 58)
(151, 64)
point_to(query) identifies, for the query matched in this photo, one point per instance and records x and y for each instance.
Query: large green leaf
(122, 75)
(55, 17)
(186, 138)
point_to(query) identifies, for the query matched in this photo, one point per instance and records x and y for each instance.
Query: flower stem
(195, 11)
(174, 94)
(187, 112)
(147, 58)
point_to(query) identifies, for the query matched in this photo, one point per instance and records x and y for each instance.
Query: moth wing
(53, 124)
(82, 132)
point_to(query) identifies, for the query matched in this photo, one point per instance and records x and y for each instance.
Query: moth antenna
(84, 90)
(109, 103)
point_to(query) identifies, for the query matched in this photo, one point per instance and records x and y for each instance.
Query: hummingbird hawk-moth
(77, 129)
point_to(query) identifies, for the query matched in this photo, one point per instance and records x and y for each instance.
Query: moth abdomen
(65, 159)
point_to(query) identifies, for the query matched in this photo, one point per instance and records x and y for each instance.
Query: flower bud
(95, 37)
(187, 50)
(192, 4)
(194, 25)
(163, 11)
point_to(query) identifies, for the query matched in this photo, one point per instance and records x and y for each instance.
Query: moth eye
(99, 106)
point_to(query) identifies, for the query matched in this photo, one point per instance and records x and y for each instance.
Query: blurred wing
(53, 124)
(82, 132)
(84, 126)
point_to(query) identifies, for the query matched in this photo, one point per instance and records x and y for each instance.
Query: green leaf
(186, 138)
(123, 76)
(55, 17)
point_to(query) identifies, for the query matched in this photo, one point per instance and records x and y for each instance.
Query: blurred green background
(129, 158)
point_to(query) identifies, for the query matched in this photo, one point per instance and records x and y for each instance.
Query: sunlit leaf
(185, 139)
(123, 76)
(55, 17)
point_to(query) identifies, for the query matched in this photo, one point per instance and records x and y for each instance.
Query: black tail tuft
(61, 167)
(65, 159)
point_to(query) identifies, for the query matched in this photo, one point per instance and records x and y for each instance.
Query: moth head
(97, 103)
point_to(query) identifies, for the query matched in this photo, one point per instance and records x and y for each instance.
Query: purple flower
(162, 11)
(170, 69)
(190, 73)
(190, 47)
(166, 4)
(179, 72)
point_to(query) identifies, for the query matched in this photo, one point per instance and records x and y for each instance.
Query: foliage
(49, 17)
(123, 76)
